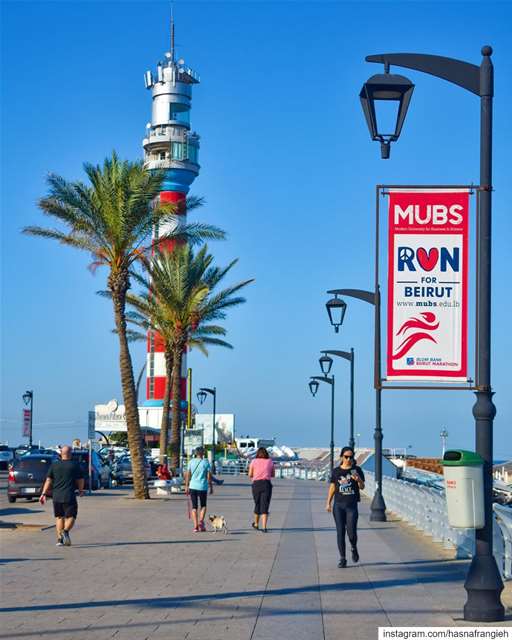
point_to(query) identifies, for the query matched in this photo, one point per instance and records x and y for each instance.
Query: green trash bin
(464, 489)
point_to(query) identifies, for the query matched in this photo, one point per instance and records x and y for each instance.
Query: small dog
(218, 523)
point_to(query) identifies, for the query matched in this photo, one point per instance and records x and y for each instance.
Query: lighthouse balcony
(169, 163)
(165, 134)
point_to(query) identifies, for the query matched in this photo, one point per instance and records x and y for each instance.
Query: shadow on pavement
(14, 511)
(438, 574)
(147, 543)
(12, 560)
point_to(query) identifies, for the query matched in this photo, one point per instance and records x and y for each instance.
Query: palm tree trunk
(177, 356)
(135, 442)
(164, 427)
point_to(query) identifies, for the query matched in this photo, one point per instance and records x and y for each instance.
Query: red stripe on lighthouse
(155, 381)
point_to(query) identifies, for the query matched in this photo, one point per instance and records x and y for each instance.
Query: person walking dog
(261, 470)
(197, 480)
(64, 477)
(347, 480)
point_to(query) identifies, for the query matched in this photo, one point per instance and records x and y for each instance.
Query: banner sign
(224, 427)
(193, 438)
(427, 320)
(25, 429)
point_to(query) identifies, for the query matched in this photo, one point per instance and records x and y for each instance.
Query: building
(169, 145)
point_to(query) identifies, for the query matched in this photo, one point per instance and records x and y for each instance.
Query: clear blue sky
(287, 169)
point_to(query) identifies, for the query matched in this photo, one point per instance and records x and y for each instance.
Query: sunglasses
(349, 457)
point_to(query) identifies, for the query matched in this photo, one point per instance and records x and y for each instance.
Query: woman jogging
(346, 482)
(261, 470)
(197, 480)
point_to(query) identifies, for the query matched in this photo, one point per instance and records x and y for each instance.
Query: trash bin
(464, 489)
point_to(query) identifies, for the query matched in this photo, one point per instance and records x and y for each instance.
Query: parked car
(6, 456)
(27, 475)
(25, 449)
(122, 470)
(101, 473)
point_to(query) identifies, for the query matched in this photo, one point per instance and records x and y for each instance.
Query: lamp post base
(484, 586)
(378, 508)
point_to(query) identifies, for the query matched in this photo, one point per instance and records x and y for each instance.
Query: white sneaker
(59, 543)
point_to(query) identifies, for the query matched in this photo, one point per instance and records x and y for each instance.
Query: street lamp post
(28, 399)
(201, 396)
(444, 438)
(483, 582)
(350, 357)
(378, 506)
(313, 387)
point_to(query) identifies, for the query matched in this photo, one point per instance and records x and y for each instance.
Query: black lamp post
(483, 582)
(378, 506)
(28, 399)
(201, 396)
(313, 387)
(350, 357)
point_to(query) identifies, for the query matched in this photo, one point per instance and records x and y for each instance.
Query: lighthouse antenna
(172, 32)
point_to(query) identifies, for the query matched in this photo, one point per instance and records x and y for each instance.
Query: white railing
(425, 508)
(231, 467)
(301, 471)
(503, 519)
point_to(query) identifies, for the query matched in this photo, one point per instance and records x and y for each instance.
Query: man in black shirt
(346, 482)
(64, 477)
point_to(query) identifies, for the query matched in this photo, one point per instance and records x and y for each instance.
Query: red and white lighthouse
(172, 146)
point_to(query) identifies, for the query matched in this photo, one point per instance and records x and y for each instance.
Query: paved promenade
(137, 571)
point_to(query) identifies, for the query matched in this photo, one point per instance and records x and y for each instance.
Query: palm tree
(179, 301)
(152, 317)
(112, 218)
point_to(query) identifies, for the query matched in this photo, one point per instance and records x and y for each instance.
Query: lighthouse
(169, 145)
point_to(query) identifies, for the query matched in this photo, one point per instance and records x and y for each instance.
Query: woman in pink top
(261, 470)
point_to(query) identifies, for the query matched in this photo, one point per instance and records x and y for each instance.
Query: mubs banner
(427, 284)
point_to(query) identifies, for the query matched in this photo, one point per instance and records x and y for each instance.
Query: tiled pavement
(136, 571)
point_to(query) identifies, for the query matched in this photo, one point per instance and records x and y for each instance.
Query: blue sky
(288, 170)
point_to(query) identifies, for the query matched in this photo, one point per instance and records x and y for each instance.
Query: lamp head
(325, 364)
(201, 396)
(27, 397)
(336, 310)
(385, 88)
(313, 387)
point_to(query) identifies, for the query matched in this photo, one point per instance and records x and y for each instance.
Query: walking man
(64, 477)
(346, 482)
(197, 480)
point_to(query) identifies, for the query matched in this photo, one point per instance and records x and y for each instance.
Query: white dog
(218, 523)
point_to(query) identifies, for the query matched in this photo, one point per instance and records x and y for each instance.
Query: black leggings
(262, 493)
(346, 520)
